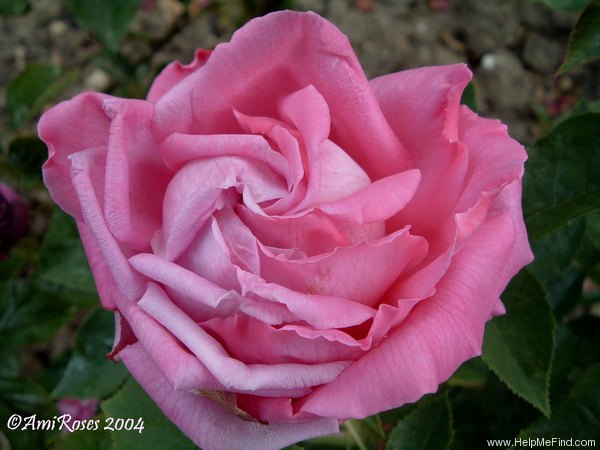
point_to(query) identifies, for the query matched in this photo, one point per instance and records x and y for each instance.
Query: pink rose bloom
(285, 244)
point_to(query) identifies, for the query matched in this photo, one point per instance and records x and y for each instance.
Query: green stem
(354, 433)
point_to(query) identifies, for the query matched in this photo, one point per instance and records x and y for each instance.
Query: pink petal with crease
(320, 311)
(415, 358)
(128, 282)
(271, 345)
(421, 106)
(83, 112)
(132, 206)
(208, 424)
(361, 273)
(229, 371)
(174, 73)
(293, 50)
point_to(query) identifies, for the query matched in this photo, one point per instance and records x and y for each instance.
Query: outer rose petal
(174, 73)
(207, 423)
(100, 238)
(421, 106)
(284, 52)
(83, 112)
(494, 158)
(440, 333)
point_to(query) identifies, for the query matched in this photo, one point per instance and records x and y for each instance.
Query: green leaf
(593, 228)
(518, 346)
(576, 350)
(28, 315)
(23, 394)
(469, 96)
(158, 433)
(555, 251)
(17, 439)
(10, 268)
(428, 427)
(108, 19)
(585, 40)
(365, 433)
(87, 439)
(566, 5)
(11, 361)
(14, 7)
(27, 154)
(562, 177)
(565, 291)
(472, 373)
(63, 267)
(32, 89)
(577, 417)
(89, 373)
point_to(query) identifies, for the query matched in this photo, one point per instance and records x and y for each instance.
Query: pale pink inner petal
(199, 188)
(362, 272)
(275, 346)
(178, 149)
(313, 233)
(320, 311)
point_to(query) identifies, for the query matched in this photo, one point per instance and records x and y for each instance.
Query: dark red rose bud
(13, 219)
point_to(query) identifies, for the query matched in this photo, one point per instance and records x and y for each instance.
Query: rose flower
(285, 244)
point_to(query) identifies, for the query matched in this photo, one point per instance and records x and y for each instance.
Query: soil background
(513, 47)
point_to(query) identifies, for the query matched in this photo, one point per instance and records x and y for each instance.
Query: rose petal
(56, 128)
(292, 51)
(422, 106)
(414, 359)
(207, 423)
(132, 206)
(208, 257)
(386, 318)
(509, 201)
(279, 410)
(272, 345)
(127, 281)
(494, 158)
(342, 272)
(181, 368)
(179, 149)
(241, 243)
(320, 311)
(378, 201)
(199, 298)
(199, 188)
(174, 73)
(229, 371)
(102, 275)
(313, 233)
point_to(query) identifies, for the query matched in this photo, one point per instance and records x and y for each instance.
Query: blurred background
(53, 336)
